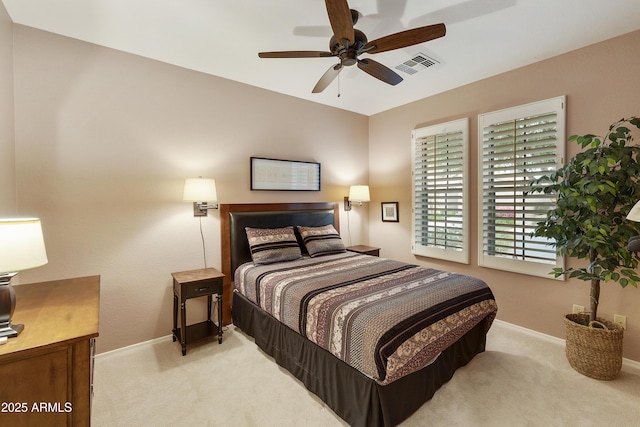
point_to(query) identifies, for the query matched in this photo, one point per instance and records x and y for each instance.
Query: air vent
(417, 63)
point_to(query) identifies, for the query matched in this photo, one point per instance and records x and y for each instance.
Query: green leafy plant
(595, 191)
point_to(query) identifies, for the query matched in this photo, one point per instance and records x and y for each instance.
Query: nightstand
(366, 250)
(193, 284)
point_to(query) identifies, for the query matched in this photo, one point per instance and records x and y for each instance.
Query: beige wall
(104, 141)
(601, 84)
(7, 157)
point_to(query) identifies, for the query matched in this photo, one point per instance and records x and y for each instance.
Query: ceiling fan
(348, 43)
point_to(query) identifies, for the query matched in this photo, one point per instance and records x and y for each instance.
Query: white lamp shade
(21, 244)
(634, 213)
(200, 190)
(359, 193)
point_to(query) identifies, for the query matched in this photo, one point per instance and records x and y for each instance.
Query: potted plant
(595, 191)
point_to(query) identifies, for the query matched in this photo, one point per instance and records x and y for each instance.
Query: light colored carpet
(521, 380)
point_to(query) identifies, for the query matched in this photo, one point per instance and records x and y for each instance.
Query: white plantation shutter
(517, 146)
(440, 165)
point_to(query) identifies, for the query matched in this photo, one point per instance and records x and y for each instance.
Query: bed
(286, 307)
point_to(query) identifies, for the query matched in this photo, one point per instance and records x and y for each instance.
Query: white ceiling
(223, 38)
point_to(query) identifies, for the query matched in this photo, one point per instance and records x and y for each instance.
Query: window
(440, 220)
(517, 146)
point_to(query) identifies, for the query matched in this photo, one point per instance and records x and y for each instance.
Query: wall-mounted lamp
(21, 248)
(357, 194)
(200, 191)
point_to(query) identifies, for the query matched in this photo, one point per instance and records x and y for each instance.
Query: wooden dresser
(46, 372)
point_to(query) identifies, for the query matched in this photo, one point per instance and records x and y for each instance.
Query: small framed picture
(390, 212)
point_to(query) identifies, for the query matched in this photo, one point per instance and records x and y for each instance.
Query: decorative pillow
(269, 245)
(323, 240)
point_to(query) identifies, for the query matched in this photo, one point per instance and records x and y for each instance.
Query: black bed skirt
(356, 398)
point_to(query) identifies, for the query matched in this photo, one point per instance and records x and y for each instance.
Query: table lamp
(21, 248)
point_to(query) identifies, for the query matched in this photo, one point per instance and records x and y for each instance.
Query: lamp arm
(204, 205)
(200, 208)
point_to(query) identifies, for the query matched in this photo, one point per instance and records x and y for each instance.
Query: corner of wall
(7, 117)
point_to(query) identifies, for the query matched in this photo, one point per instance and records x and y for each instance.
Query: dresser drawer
(205, 287)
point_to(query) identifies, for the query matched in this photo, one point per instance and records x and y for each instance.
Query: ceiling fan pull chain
(338, 85)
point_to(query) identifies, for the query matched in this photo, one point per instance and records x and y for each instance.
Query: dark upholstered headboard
(235, 246)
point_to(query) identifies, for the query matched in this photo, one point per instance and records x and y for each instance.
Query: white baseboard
(628, 365)
(535, 334)
(120, 350)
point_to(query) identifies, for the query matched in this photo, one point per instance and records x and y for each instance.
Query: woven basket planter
(594, 350)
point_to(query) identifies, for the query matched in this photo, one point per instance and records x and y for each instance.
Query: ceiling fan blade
(379, 71)
(327, 78)
(405, 38)
(295, 54)
(341, 20)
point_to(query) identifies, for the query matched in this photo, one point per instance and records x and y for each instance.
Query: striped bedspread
(383, 317)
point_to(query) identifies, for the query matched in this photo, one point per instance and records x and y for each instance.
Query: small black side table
(366, 250)
(192, 284)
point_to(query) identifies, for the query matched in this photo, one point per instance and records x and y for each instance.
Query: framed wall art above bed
(284, 175)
